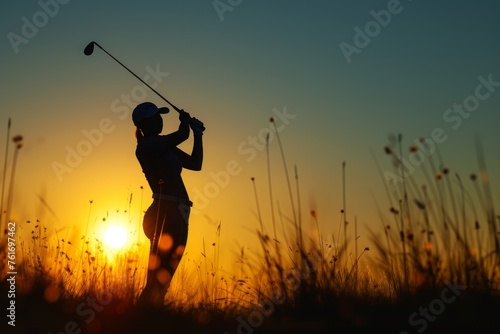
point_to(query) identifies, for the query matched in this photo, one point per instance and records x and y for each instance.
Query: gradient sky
(234, 70)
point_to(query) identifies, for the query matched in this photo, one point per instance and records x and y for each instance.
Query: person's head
(147, 118)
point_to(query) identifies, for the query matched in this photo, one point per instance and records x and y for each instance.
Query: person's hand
(184, 116)
(197, 126)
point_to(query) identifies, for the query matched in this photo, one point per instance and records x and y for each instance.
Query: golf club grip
(179, 110)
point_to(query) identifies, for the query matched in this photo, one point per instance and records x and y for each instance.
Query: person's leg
(172, 243)
(154, 291)
(154, 218)
(166, 225)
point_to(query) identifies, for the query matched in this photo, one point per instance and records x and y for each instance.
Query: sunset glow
(115, 237)
(234, 166)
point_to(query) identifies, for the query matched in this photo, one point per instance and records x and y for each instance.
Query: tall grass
(436, 233)
(307, 270)
(437, 227)
(75, 269)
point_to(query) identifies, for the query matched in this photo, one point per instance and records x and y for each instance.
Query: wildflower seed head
(473, 177)
(387, 150)
(420, 204)
(413, 148)
(17, 139)
(445, 170)
(439, 176)
(271, 119)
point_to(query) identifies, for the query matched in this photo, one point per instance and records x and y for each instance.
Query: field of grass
(433, 266)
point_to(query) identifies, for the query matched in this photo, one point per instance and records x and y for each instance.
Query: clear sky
(338, 77)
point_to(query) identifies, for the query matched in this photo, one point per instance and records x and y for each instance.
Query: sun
(115, 237)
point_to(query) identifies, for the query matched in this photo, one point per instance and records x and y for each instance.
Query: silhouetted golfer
(166, 220)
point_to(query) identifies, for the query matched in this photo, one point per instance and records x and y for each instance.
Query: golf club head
(89, 49)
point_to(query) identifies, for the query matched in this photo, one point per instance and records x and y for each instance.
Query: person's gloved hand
(197, 126)
(184, 116)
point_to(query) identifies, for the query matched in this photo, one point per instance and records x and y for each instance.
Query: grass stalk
(259, 216)
(4, 175)
(344, 207)
(270, 187)
(286, 174)
(18, 142)
(405, 214)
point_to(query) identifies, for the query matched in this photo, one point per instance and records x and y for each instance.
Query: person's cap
(146, 110)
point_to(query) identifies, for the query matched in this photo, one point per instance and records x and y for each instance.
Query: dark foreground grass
(470, 312)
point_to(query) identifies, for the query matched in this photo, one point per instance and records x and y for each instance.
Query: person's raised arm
(195, 160)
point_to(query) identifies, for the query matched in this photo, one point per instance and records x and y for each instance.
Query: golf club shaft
(135, 75)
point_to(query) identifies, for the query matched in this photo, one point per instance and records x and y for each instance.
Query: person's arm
(195, 160)
(182, 134)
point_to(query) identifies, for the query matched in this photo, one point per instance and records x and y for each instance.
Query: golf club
(89, 49)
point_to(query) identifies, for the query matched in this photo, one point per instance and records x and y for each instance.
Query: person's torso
(160, 162)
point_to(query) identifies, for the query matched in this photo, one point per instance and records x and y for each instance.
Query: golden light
(115, 237)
